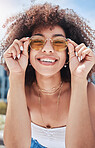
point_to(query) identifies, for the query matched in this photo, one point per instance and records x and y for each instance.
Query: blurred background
(84, 8)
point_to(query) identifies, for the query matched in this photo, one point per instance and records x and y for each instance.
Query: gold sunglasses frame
(51, 41)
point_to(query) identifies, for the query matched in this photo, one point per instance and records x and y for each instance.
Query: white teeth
(47, 60)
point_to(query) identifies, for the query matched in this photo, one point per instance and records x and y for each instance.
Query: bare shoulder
(91, 102)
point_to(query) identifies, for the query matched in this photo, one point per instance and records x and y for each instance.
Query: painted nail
(18, 56)
(76, 54)
(14, 57)
(79, 59)
(21, 48)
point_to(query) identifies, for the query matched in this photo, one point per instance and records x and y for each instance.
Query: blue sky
(85, 8)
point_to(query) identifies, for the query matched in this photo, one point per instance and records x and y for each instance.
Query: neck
(48, 82)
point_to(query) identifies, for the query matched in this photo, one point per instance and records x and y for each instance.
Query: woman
(50, 102)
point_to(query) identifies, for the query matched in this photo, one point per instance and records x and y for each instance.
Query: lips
(47, 60)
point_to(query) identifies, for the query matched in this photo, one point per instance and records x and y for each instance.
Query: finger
(18, 50)
(79, 53)
(10, 53)
(14, 53)
(72, 42)
(79, 46)
(71, 50)
(18, 46)
(19, 43)
(24, 39)
(26, 44)
(87, 51)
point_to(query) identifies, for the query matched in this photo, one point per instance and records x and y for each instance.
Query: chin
(47, 73)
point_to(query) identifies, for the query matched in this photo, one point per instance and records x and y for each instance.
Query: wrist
(17, 78)
(78, 81)
(17, 75)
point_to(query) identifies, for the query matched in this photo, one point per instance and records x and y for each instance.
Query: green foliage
(2, 121)
(3, 108)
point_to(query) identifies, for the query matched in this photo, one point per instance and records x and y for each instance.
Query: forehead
(49, 31)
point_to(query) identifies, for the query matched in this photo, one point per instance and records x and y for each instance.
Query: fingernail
(76, 54)
(27, 37)
(21, 48)
(68, 39)
(79, 59)
(18, 56)
(14, 57)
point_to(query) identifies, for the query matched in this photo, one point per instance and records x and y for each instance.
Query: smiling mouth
(47, 60)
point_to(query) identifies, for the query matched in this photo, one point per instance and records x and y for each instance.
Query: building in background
(4, 84)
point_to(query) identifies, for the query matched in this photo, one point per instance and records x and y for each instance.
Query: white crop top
(50, 138)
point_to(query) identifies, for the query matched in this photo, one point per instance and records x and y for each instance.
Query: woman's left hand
(81, 59)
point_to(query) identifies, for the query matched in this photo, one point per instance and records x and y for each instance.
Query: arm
(17, 131)
(79, 133)
(17, 126)
(91, 102)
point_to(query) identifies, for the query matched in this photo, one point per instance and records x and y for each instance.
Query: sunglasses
(37, 42)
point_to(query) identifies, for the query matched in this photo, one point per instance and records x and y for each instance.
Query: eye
(58, 41)
(38, 41)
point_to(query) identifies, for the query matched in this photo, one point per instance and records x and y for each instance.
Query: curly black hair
(48, 15)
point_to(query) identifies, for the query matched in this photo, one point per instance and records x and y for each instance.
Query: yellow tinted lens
(37, 42)
(59, 43)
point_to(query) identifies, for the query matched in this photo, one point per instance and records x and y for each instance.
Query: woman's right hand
(16, 56)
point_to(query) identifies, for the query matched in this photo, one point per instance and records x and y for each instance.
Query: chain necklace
(58, 99)
(51, 91)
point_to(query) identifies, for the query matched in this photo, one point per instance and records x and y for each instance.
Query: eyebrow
(52, 36)
(58, 35)
(39, 34)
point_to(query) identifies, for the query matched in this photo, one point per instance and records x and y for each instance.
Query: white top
(51, 138)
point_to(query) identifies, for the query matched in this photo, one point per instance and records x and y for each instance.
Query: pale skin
(76, 107)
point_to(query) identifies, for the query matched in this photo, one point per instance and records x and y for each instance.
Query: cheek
(62, 57)
(32, 57)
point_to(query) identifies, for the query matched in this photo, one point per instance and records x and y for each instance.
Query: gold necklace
(51, 91)
(58, 99)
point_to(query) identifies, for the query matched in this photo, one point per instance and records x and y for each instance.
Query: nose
(48, 47)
